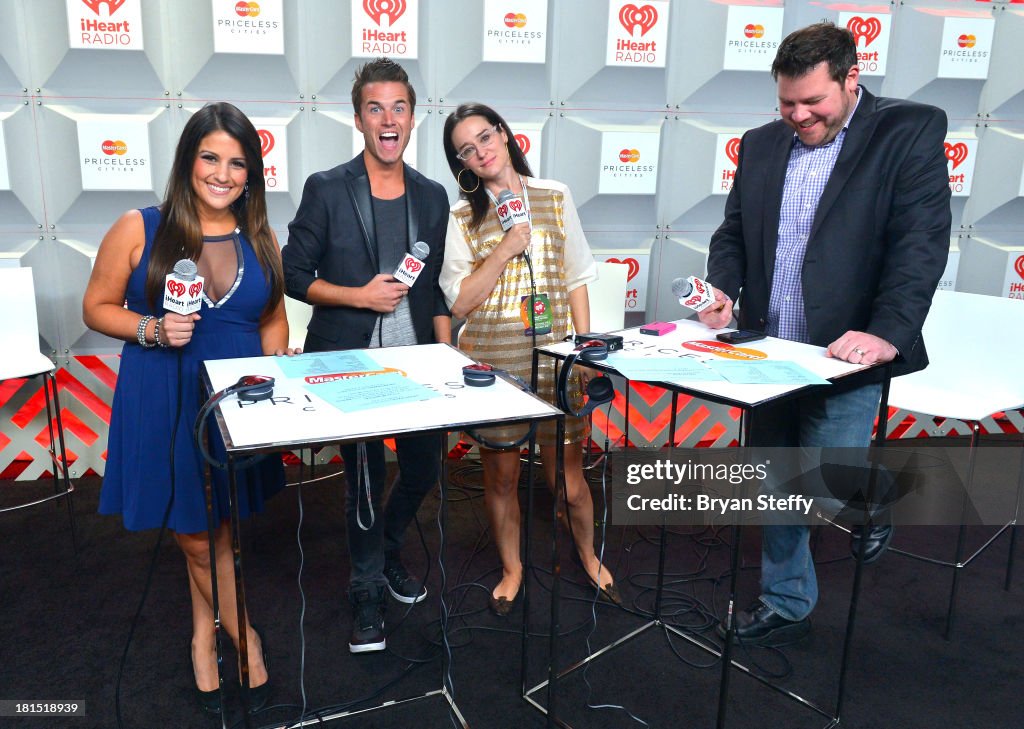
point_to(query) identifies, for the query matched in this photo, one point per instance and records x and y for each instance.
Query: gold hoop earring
(458, 179)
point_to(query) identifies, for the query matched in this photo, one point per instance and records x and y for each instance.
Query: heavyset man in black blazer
(353, 226)
(836, 233)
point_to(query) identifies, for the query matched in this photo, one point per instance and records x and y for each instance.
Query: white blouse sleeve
(458, 261)
(580, 266)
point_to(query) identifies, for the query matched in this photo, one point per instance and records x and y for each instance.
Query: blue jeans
(788, 582)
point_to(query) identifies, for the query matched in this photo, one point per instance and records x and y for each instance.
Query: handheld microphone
(511, 210)
(183, 288)
(412, 264)
(693, 293)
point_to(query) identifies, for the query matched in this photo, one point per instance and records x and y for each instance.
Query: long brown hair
(478, 200)
(180, 234)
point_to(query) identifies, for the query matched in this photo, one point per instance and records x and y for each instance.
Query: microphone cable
(156, 548)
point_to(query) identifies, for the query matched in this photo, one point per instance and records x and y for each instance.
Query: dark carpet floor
(66, 617)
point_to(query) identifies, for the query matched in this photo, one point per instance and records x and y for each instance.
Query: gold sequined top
(496, 331)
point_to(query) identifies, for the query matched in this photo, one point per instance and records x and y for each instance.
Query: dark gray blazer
(333, 238)
(880, 237)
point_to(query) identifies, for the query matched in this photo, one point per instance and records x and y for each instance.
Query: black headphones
(599, 390)
(478, 375)
(249, 388)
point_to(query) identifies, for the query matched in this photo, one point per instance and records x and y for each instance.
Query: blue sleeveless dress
(137, 480)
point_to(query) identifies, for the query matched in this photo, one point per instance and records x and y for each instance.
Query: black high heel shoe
(608, 592)
(259, 695)
(209, 701)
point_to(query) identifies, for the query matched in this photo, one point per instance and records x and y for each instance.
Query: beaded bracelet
(140, 333)
(156, 332)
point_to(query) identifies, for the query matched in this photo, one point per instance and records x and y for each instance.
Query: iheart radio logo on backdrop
(1018, 266)
(753, 31)
(524, 143)
(112, 5)
(955, 153)
(114, 147)
(515, 20)
(632, 263)
(732, 150)
(966, 41)
(631, 16)
(266, 142)
(866, 29)
(247, 10)
(394, 9)
(629, 155)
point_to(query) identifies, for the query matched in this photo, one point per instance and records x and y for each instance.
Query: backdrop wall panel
(637, 105)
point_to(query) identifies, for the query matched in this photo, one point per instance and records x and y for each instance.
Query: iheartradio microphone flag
(693, 293)
(183, 288)
(411, 265)
(511, 210)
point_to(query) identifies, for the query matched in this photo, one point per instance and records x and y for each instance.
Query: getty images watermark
(902, 483)
(664, 470)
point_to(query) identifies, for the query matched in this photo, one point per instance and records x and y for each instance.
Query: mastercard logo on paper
(753, 31)
(629, 155)
(114, 147)
(966, 41)
(721, 349)
(515, 20)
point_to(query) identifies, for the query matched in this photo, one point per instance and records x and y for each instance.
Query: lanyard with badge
(534, 309)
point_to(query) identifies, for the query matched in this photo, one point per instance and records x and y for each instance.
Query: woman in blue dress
(214, 214)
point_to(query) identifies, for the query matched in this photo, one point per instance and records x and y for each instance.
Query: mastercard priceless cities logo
(721, 349)
(966, 41)
(112, 158)
(753, 38)
(515, 20)
(627, 164)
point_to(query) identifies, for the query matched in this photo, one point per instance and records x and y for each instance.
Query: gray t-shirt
(394, 329)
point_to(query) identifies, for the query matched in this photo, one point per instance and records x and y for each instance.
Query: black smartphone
(740, 336)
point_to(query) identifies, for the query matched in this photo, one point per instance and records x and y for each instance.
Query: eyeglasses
(484, 140)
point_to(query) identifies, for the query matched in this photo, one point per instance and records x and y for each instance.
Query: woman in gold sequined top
(493, 278)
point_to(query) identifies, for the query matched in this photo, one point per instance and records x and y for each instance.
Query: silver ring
(859, 351)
